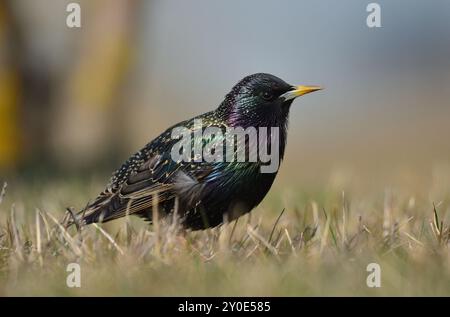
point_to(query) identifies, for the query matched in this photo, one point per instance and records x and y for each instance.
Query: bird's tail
(84, 217)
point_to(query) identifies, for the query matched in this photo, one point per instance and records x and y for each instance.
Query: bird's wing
(147, 178)
(149, 184)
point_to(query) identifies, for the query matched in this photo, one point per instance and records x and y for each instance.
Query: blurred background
(77, 102)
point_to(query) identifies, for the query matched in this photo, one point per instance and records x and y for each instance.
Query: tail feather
(105, 209)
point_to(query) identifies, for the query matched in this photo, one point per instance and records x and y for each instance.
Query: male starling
(201, 193)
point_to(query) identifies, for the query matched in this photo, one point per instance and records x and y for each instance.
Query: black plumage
(202, 194)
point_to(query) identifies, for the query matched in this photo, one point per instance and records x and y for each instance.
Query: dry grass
(320, 245)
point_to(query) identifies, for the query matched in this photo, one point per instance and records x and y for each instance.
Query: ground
(298, 244)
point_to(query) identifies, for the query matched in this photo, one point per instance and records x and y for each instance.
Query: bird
(201, 194)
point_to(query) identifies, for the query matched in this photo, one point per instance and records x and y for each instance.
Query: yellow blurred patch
(9, 130)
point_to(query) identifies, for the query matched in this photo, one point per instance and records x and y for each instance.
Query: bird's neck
(238, 118)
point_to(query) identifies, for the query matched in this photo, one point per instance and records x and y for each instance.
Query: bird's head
(261, 99)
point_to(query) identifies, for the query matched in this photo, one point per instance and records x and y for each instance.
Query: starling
(201, 193)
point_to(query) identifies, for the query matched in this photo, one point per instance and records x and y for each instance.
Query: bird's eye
(267, 95)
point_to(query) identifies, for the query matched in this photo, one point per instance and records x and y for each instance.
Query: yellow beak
(300, 91)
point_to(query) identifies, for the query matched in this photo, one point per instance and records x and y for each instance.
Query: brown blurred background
(80, 101)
